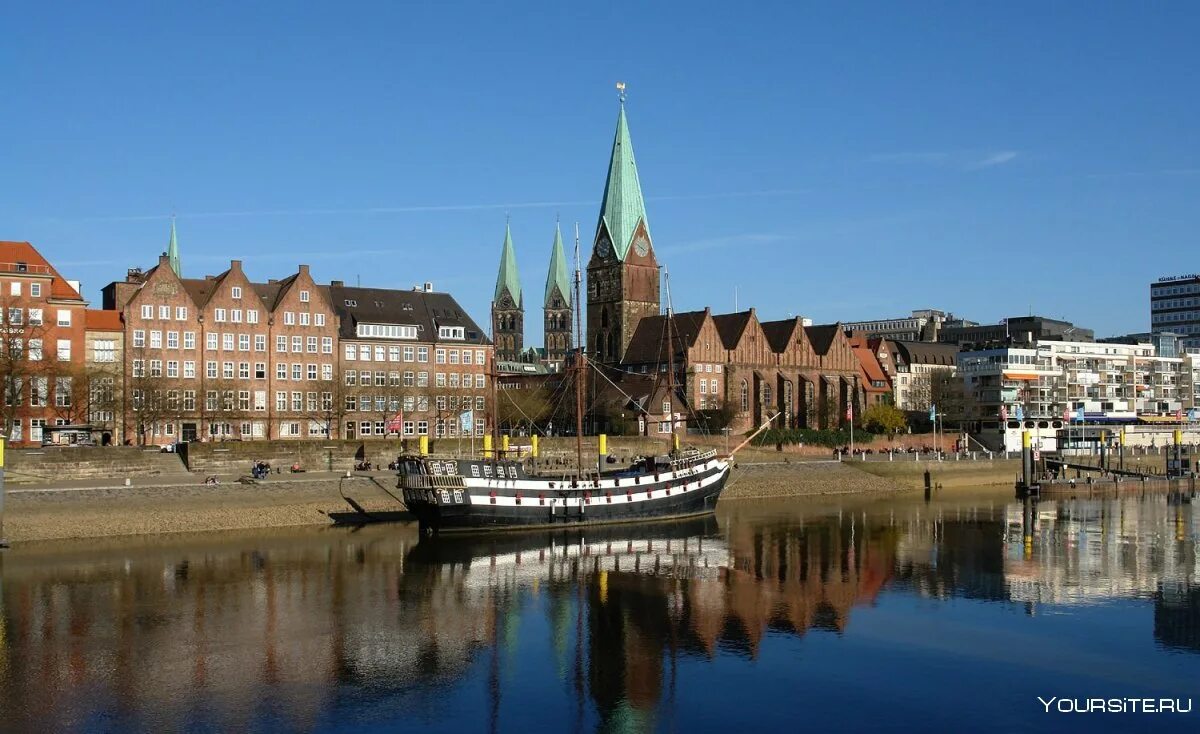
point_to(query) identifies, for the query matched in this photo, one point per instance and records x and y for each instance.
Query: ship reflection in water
(763, 618)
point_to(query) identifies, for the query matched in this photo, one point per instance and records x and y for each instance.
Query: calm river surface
(889, 614)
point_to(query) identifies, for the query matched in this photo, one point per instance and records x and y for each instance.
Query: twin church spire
(508, 305)
(622, 274)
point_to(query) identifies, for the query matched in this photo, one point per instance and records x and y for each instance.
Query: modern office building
(1175, 307)
(924, 325)
(1018, 330)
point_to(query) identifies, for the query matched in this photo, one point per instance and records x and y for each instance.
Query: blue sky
(840, 163)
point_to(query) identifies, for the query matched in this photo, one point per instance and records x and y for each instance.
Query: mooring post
(1103, 450)
(3, 541)
(1027, 525)
(1121, 442)
(1178, 435)
(1026, 459)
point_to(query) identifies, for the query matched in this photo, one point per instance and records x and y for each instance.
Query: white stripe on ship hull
(625, 483)
(618, 497)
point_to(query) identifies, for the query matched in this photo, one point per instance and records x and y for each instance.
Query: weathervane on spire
(621, 91)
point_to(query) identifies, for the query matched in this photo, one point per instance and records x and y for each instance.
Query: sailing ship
(498, 491)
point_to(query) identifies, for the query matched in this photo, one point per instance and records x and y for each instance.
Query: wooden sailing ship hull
(465, 502)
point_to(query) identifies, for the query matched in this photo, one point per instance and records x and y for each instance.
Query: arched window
(745, 396)
(604, 316)
(612, 345)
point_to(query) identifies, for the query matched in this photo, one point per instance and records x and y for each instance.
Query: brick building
(105, 366)
(753, 368)
(622, 274)
(221, 357)
(412, 363)
(42, 356)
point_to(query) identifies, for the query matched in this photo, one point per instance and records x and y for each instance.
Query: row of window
(704, 385)
(35, 289)
(39, 392)
(381, 353)
(230, 370)
(232, 315)
(215, 341)
(442, 428)
(33, 350)
(17, 317)
(415, 379)
(410, 403)
(229, 400)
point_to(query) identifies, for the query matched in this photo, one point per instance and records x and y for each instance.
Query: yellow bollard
(423, 445)
(533, 449)
(504, 446)
(1121, 437)
(675, 436)
(603, 444)
(487, 445)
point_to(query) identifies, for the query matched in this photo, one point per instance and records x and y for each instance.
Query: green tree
(883, 418)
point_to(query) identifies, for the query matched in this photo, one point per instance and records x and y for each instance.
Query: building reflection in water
(217, 636)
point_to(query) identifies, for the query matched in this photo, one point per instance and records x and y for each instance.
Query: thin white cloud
(995, 159)
(963, 160)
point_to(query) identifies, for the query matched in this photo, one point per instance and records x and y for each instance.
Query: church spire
(622, 207)
(173, 250)
(507, 279)
(557, 276)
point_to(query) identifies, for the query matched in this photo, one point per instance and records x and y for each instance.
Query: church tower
(173, 251)
(622, 275)
(508, 310)
(557, 305)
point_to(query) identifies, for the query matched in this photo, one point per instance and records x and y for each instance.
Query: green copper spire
(173, 250)
(507, 279)
(557, 275)
(623, 206)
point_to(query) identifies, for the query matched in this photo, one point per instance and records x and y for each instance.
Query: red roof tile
(99, 320)
(12, 253)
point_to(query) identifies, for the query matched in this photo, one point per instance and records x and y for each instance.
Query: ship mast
(580, 365)
(670, 360)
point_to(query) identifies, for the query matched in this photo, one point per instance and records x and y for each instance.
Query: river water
(888, 614)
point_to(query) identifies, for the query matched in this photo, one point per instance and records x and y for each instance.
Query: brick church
(737, 362)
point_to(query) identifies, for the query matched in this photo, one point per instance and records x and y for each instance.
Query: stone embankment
(76, 512)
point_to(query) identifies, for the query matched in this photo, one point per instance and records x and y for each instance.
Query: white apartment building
(1050, 382)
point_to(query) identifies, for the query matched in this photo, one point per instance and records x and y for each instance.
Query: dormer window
(236, 291)
(351, 303)
(451, 332)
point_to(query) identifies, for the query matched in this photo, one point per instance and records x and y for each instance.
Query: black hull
(477, 517)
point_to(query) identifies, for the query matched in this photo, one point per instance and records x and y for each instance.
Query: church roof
(647, 346)
(622, 207)
(557, 275)
(507, 278)
(731, 326)
(822, 336)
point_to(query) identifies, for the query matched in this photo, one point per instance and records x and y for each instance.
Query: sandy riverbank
(89, 512)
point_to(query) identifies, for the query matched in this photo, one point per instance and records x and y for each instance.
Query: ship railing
(692, 460)
(432, 481)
